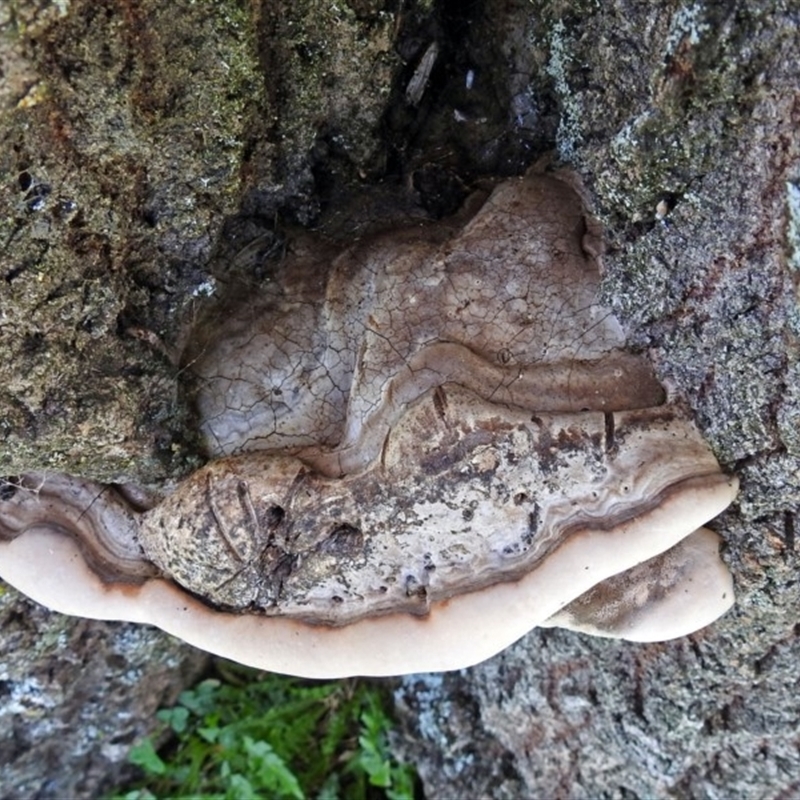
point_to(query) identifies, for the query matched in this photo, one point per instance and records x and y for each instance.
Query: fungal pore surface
(423, 446)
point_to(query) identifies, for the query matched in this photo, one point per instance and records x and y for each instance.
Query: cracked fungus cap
(456, 633)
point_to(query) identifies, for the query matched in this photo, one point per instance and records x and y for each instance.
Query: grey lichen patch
(76, 694)
(686, 27)
(727, 322)
(686, 71)
(569, 134)
(793, 227)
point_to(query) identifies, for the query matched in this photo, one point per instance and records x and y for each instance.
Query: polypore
(424, 447)
(685, 588)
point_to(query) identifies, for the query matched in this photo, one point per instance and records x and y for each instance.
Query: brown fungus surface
(501, 299)
(465, 494)
(424, 445)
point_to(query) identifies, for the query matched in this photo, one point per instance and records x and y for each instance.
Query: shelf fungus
(423, 447)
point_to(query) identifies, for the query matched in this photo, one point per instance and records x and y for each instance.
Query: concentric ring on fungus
(422, 448)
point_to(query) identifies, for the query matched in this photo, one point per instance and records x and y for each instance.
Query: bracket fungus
(423, 447)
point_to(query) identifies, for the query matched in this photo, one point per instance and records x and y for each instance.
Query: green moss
(118, 180)
(336, 71)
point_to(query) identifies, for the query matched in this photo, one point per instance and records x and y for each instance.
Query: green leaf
(380, 774)
(330, 789)
(239, 788)
(177, 718)
(144, 755)
(402, 787)
(201, 699)
(208, 734)
(271, 770)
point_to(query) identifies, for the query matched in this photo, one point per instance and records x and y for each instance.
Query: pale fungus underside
(424, 447)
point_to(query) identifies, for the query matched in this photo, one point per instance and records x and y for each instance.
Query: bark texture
(149, 148)
(76, 694)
